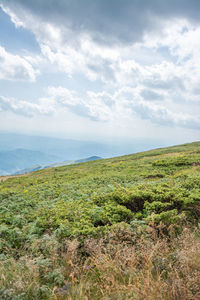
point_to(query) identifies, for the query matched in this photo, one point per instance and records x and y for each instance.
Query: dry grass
(123, 265)
(150, 268)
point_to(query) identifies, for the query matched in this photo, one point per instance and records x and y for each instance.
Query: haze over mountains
(59, 164)
(13, 161)
(19, 152)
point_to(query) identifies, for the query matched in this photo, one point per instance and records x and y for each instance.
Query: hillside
(120, 228)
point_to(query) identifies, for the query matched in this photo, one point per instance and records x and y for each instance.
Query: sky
(101, 69)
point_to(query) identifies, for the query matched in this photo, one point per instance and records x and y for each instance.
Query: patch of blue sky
(16, 40)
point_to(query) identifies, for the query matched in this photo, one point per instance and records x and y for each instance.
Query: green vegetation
(62, 229)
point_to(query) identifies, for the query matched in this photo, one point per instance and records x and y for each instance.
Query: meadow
(119, 228)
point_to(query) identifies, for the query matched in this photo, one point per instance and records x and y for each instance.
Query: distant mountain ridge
(63, 149)
(64, 163)
(19, 152)
(14, 160)
(76, 149)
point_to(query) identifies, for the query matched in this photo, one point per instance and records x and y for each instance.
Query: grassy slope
(85, 203)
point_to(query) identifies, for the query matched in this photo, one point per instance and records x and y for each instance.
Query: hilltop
(116, 228)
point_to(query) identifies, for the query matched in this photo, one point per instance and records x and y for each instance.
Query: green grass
(42, 212)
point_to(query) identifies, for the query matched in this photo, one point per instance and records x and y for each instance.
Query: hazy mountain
(19, 152)
(63, 163)
(68, 149)
(65, 149)
(15, 160)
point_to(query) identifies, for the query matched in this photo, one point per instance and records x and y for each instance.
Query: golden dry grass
(148, 268)
(123, 265)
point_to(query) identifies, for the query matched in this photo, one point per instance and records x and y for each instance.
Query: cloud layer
(145, 54)
(124, 103)
(107, 21)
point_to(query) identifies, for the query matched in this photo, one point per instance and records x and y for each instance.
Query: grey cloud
(95, 106)
(109, 21)
(159, 115)
(83, 111)
(197, 90)
(103, 66)
(168, 84)
(162, 116)
(103, 107)
(151, 95)
(100, 107)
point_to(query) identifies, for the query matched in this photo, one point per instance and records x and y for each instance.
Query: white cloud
(63, 96)
(183, 43)
(73, 51)
(125, 102)
(15, 68)
(25, 108)
(155, 78)
(14, 18)
(90, 105)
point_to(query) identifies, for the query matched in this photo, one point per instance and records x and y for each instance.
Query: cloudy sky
(101, 69)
